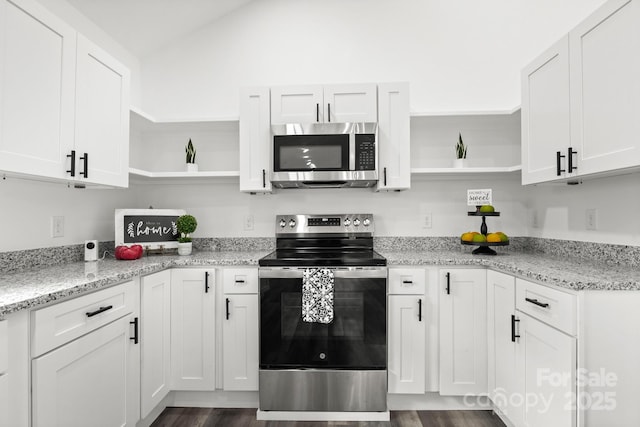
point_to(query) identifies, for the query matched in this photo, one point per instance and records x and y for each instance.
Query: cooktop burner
(324, 240)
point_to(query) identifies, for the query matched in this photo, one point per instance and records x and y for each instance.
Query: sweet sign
(479, 197)
(151, 228)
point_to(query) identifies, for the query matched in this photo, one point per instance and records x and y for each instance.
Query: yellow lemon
(493, 238)
(466, 237)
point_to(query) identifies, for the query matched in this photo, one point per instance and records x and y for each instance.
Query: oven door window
(355, 339)
(303, 153)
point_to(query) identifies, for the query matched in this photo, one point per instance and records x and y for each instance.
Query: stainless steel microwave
(326, 155)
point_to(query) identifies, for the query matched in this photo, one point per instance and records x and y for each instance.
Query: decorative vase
(192, 167)
(460, 163)
(184, 248)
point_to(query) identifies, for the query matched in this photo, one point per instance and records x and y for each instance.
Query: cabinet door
(463, 332)
(297, 104)
(546, 118)
(546, 366)
(4, 399)
(502, 330)
(605, 92)
(102, 117)
(37, 81)
(351, 103)
(240, 342)
(394, 154)
(156, 339)
(255, 140)
(86, 381)
(407, 335)
(193, 329)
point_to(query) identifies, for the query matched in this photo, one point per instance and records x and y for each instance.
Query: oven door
(356, 338)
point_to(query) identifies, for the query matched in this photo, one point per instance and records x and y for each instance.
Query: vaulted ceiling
(143, 26)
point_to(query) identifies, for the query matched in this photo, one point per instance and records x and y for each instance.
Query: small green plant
(191, 152)
(186, 224)
(461, 149)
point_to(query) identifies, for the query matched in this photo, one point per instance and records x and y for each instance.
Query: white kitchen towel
(317, 295)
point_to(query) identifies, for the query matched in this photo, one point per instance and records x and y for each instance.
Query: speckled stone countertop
(32, 288)
(569, 273)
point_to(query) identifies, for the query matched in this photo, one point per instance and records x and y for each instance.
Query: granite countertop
(32, 288)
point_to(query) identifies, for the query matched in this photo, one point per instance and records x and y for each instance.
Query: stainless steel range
(323, 316)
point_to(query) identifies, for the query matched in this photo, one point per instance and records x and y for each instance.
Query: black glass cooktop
(322, 258)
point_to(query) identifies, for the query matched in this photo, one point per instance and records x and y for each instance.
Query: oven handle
(338, 272)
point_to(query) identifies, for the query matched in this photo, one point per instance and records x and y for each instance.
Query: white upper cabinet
(255, 140)
(37, 87)
(394, 142)
(546, 130)
(324, 104)
(605, 92)
(102, 117)
(581, 99)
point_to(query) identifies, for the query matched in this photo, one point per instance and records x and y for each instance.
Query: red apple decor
(129, 252)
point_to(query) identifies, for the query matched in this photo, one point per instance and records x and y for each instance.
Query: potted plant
(186, 224)
(192, 166)
(461, 153)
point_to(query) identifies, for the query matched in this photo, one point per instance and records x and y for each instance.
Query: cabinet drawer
(240, 280)
(60, 323)
(4, 347)
(407, 281)
(552, 306)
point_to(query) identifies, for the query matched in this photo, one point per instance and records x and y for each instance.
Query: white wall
(82, 24)
(27, 208)
(458, 55)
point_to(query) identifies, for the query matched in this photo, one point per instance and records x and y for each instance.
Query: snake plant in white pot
(192, 166)
(186, 225)
(461, 153)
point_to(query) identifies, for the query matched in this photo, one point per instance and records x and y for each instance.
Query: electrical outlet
(426, 220)
(57, 226)
(591, 219)
(248, 222)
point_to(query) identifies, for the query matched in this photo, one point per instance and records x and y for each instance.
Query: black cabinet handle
(513, 328)
(329, 112)
(407, 282)
(420, 310)
(72, 156)
(206, 282)
(317, 112)
(570, 153)
(536, 302)
(85, 159)
(240, 281)
(384, 173)
(227, 304)
(98, 311)
(135, 330)
(264, 178)
(559, 156)
(448, 275)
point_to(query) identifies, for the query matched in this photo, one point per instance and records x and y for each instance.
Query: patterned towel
(317, 295)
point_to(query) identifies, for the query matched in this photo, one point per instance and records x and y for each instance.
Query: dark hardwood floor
(207, 417)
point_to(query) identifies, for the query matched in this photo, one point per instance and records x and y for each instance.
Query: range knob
(356, 222)
(283, 223)
(366, 222)
(347, 222)
(292, 223)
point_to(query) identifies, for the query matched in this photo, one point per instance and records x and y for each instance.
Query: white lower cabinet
(88, 381)
(4, 400)
(4, 366)
(407, 330)
(193, 329)
(502, 338)
(155, 313)
(240, 329)
(463, 331)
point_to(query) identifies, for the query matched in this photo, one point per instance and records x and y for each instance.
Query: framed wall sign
(150, 228)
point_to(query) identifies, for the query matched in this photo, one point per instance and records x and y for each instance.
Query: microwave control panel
(365, 152)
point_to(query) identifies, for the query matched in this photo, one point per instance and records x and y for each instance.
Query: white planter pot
(192, 167)
(184, 248)
(460, 163)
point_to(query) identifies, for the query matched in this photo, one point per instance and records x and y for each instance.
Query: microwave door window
(311, 152)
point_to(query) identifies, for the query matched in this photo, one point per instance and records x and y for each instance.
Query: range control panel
(334, 223)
